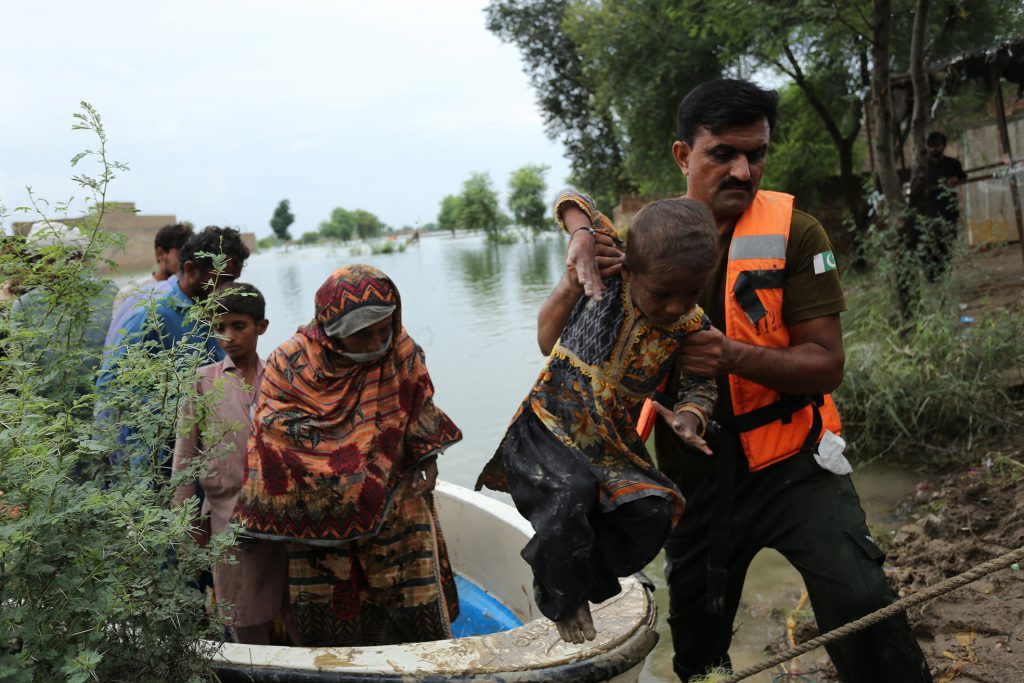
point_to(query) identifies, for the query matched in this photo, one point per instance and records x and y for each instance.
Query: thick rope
(873, 618)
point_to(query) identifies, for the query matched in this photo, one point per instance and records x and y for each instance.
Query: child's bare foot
(578, 626)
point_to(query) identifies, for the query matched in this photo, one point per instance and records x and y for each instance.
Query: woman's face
(369, 339)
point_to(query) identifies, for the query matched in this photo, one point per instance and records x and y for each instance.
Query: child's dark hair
(172, 236)
(675, 232)
(214, 240)
(241, 298)
(935, 138)
(723, 103)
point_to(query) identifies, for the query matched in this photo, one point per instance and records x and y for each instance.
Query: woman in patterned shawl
(341, 464)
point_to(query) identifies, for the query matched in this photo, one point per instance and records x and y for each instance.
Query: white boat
(484, 539)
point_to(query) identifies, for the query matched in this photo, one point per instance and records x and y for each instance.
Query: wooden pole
(1004, 137)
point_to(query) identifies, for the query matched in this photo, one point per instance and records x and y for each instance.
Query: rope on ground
(873, 618)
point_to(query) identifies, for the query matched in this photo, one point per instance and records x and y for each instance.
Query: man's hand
(685, 425)
(608, 256)
(581, 262)
(590, 257)
(705, 353)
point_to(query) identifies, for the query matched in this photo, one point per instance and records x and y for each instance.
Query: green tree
(478, 204)
(526, 188)
(282, 220)
(340, 226)
(367, 224)
(568, 100)
(448, 216)
(310, 237)
(640, 61)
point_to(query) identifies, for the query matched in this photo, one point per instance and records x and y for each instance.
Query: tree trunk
(885, 157)
(919, 116)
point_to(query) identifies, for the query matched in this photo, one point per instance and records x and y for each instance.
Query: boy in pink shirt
(255, 586)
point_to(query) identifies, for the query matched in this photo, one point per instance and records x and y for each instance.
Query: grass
(930, 392)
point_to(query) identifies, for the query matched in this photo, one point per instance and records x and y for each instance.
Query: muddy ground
(977, 632)
(963, 519)
(955, 521)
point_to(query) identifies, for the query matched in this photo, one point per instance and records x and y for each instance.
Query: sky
(223, 108)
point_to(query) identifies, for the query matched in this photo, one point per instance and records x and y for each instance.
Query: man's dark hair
(241, 298)
(935, 138)
(214, 240)
(676, 232)
(172, 236)
(724, 103)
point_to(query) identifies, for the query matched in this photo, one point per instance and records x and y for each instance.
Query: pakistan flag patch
(824, 262)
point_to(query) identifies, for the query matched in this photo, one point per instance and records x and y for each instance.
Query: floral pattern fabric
(590, 393)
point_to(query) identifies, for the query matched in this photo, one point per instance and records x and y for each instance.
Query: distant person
(72, 320)
(166, 248)
(944, 175)
(253, 583)
(166, 324)
(341, 465)
(572, 458)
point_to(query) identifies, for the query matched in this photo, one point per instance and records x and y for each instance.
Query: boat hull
(484, 538)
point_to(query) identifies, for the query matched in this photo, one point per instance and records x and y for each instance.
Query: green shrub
(502, 237)
(926, 392)
(96, 568)
(387, 247)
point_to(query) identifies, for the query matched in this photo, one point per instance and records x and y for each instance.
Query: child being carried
(572, 458)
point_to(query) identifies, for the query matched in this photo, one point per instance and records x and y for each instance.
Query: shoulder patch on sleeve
(824, 262)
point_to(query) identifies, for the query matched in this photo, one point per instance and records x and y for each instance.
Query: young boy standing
(218, 426)
(572, 458)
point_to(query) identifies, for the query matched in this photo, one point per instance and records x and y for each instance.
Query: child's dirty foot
(578, 626)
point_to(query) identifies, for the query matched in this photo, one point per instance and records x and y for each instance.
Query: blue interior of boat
(480, 613)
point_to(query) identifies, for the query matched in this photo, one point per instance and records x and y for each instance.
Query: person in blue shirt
(166, 325)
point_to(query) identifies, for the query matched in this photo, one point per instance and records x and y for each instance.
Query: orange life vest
(771, 426)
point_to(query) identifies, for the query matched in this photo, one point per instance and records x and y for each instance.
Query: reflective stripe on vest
(753, 315)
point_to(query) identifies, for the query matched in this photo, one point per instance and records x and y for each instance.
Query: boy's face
(167, 261)
(665, 293)
(238, 333)
(198, 283)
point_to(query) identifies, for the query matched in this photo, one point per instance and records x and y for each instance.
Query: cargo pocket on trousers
(868, 545)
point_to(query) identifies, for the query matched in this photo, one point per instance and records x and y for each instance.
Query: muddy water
(473, 308)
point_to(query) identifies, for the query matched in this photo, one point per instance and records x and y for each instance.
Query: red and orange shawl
(333, 439)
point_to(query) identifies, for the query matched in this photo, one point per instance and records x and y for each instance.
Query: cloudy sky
(222, 108)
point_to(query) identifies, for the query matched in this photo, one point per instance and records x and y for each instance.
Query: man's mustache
(734, 184)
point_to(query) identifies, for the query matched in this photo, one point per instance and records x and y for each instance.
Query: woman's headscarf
(332, 437)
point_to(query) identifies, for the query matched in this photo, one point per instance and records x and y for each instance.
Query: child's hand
(685, 425)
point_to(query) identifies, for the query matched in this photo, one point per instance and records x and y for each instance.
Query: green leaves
(282, 220)
(526, 189)
(96, 568)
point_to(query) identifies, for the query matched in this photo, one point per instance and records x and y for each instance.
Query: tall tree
(448, 216)
(640, 61)
(568, 102)
(340, 226)
(282, 220)
(526, 188)
(367, 224)
(479, 204)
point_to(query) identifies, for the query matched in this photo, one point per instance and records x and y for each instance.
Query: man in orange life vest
(778, 478)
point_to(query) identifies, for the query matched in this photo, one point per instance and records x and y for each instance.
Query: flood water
(473, 308)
